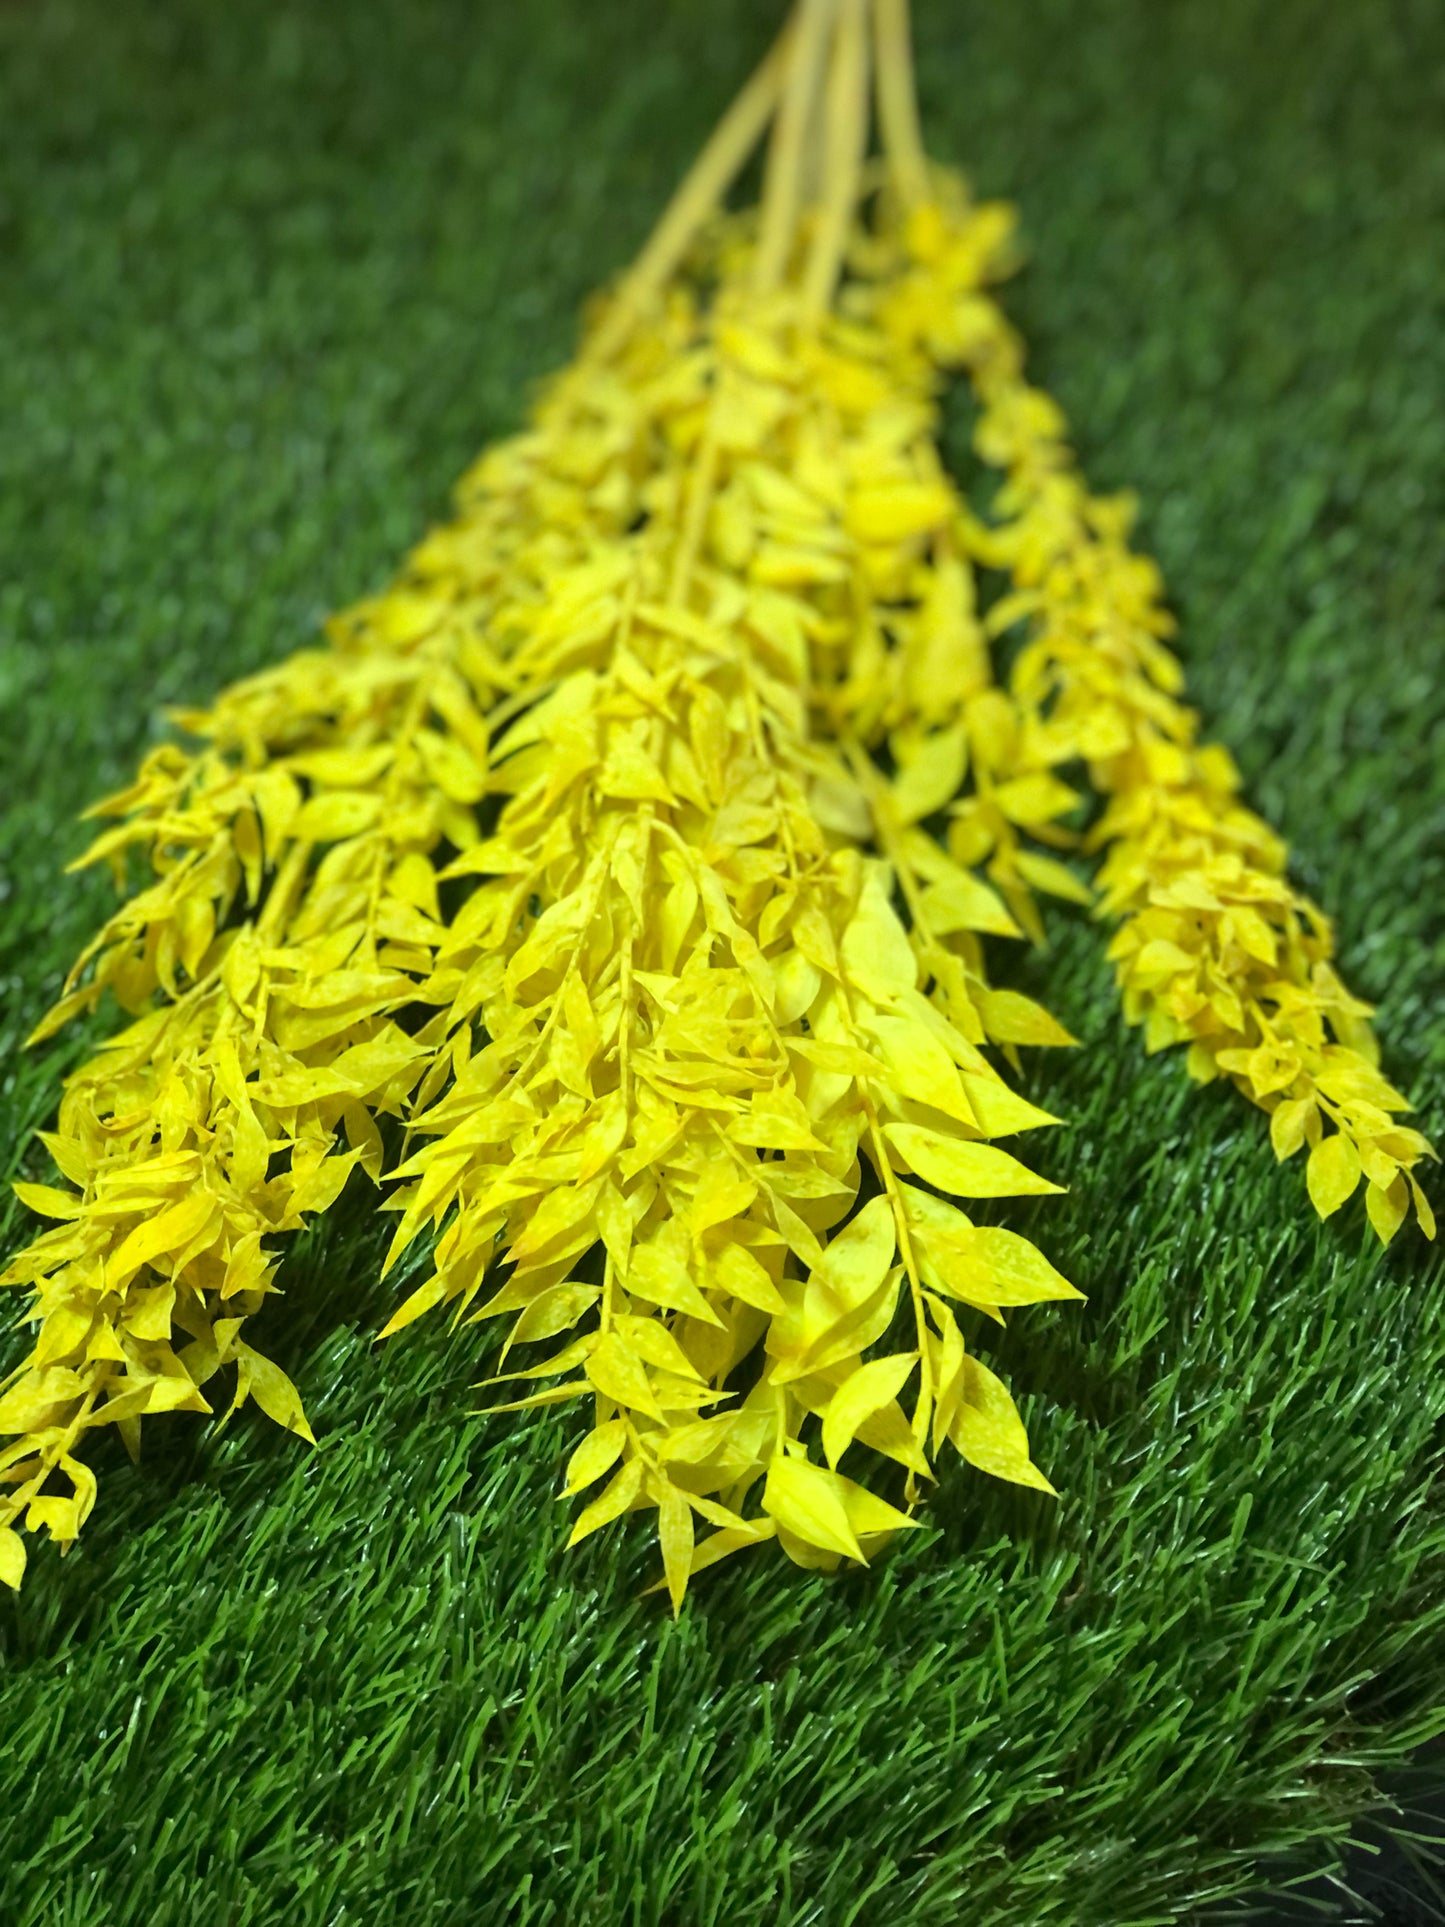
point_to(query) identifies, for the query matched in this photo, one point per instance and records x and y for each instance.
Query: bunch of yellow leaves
(594, 853)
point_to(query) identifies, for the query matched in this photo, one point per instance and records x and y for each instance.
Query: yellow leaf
(337, 814)
(156, 1237)
(870, 1516)
(552, 1311)
(999, 1110)
(617, 1372)
(84, 1481)
(655, 1344)
(69, 1155)
(1422, 1208)
(1034, 799)
(1010, 1018)
(173, 1392)
(674, 1531)
(1287, 1124)
(147, 1314)
(1332, 1173)
(963, 1169)
(718, 1545)
(28, 1403)
(877, 955)
(963, 901)
(611, 1503)
(949, 1378)
(855, 1262)
(861, 1394)
(552, 1395)
(989, 1432)
(272, 1390)
(1022, 1275)
(930, 775)
(894, 511)
(775, 1120)
(807, 1501)
(343, 769)
(12, 1557)
(597, 1453)
(659, 1273)
(919, 1067)
(1387, 1205)
(743, 1276)
(722, 1193)
(1054, 878)
(60, 1517)
(47, 1201)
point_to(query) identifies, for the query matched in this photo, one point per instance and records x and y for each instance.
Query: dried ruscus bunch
(292, 914)
(635, 853)
(675, 1004)
(1216, 948)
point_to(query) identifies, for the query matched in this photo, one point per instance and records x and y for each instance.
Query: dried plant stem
(847, 140)
(898, 102)
(783, 188)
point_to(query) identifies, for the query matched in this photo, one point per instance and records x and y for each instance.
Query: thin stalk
(898, 102)
(696, 200)
(846, 142)
(782, 190)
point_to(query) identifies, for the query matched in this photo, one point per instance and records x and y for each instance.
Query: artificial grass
(268, 275)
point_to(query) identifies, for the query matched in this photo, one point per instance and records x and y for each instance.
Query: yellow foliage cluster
(1216, 948)
(595, 854)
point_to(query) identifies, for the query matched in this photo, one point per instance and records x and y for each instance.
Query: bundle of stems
(596, 853)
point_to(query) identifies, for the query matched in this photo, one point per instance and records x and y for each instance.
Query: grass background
(269, 273)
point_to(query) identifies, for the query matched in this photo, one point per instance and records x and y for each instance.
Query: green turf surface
(269, 273)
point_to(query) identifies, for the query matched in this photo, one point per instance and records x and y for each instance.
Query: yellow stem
(701, 192)
(704, 484)
(846, 142)
(898, 102)
(783, 186)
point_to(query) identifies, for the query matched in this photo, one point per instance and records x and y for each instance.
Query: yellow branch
(782, 190)
(711, 175)
(846, 143)
(898, 102)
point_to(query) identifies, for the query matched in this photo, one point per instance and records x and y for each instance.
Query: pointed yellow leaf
(611, 1503)
(742, 1275)
(618, 1373)
(860, 1395)
(964, 1169)
(1332, 1173)
(962, 901)
(551, 1395)
(675, 1534)
(1287, 1123)
(807, 1501)
(1022, 1275)
(1010, 1018)
(421, 1300)
(47, 1201)
(552, 1311)
(1387, 1205)
(1046, 873)
(989, 1432)
(597, 1453)
(156, 1237)
(12, 1557)
(870, 1516)
(273, 1391)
